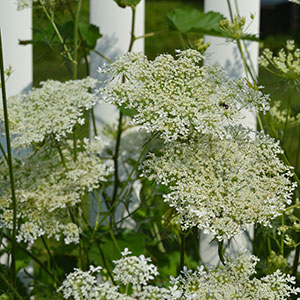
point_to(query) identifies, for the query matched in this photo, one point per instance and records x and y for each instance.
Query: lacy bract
(176, 96)
(54, 109)
(222, 185)
(234, 281)
(47, 189)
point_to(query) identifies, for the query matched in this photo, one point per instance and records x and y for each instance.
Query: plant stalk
(10, 166)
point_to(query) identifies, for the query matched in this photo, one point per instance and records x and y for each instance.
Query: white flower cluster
(286, 64)
(84, 285)
(129, 270)
(133, 269)
(54, 109)
(233, 281)
(177, 97)
(223, 185)
(45, 189)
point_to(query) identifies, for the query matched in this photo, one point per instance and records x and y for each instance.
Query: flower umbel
(222, 185)
(54, 109)
(176, 96)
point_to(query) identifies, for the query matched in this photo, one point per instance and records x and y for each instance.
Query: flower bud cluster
(286, 64)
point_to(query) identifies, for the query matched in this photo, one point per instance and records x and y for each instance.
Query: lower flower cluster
(132, 275)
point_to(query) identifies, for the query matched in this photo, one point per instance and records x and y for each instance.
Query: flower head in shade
(52, 110)
(233, 281)
(223, 185)
(46, 190)
(176, 96)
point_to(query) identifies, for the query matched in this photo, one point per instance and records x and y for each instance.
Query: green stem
(10, 166)
(221, 252)
(75, 45)
(85, 55)
(105, 263)
(182, 250)
(128, 180)
(230, 10)
(116, 158)
(62, 158)
(3, 153)
(94, 122)
(269, 244)
(282, 237)
(56, 31)
(288, 112)
(33, 257)
(12, 288)
(51, 258)
(119, 133)
(75, 144)
(101, 55)
(296, 257)
(298, 154)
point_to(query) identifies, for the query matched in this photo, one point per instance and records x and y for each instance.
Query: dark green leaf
(124, 3)
(194, 20)
(127, 111)
(90, 34)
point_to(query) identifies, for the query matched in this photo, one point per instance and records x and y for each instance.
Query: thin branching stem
(11, 171)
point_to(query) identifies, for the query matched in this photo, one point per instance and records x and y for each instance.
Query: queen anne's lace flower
(133, 269)
(45, 189)
(177, 97)
(54, 109)
(222, 185)
(233, 281)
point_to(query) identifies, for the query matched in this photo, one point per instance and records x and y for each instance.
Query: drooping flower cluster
(52, 110)
(222, 185)
(286, 64)
(46, 188)
(233, 281)
(178, 97)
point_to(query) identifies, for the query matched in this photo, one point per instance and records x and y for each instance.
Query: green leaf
(90, 34)
(125, 3)
(127, 111)
(194, 20)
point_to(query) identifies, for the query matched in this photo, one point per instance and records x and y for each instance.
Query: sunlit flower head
(223, 185)
(176, 96)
